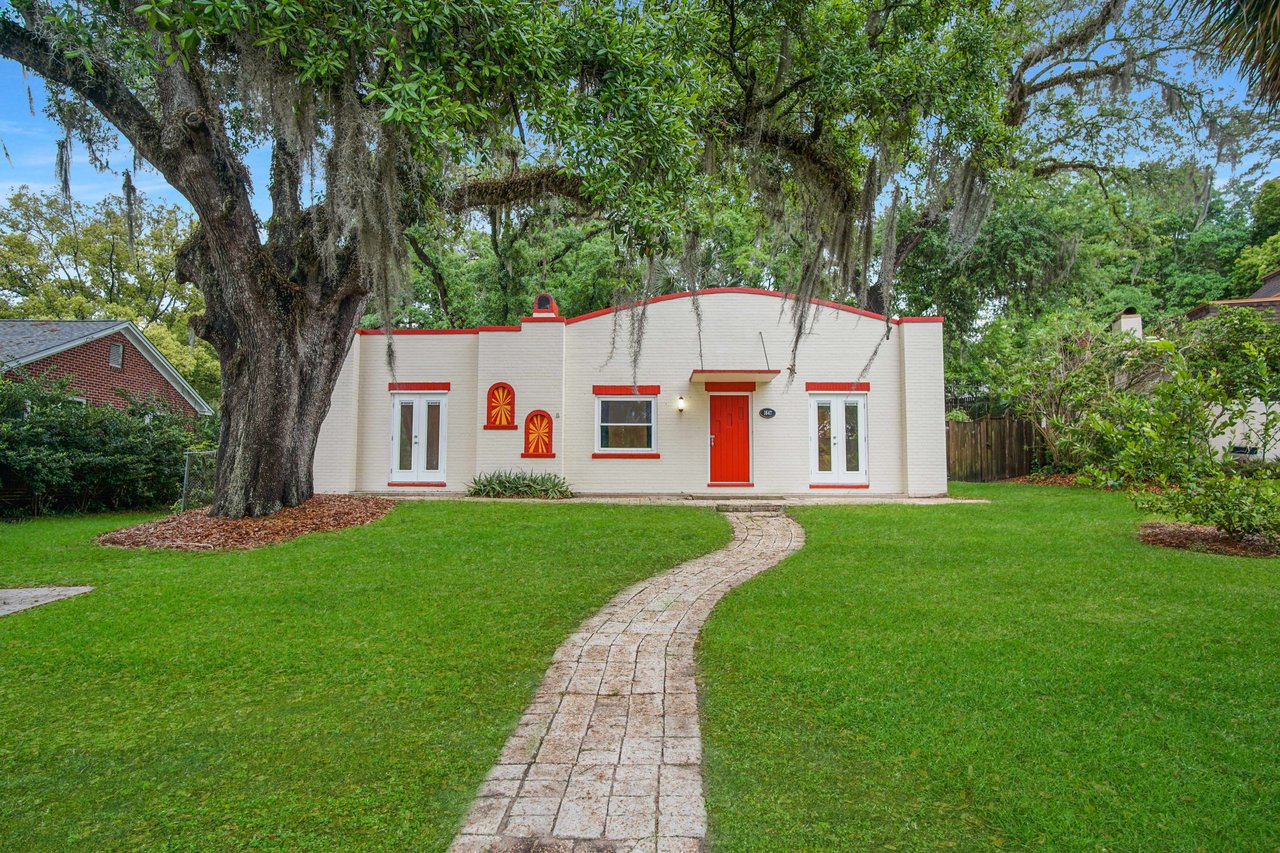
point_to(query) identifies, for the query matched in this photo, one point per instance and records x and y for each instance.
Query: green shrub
(59, 454)
(518, 484)
(959, 416)
(1164, 447)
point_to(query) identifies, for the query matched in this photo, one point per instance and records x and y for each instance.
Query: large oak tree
(372, 111)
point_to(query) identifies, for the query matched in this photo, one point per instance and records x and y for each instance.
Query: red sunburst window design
(500, 407)
(537, 436)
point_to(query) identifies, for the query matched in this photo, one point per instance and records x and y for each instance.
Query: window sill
(419, 485)
(501, 426)
(839, 485)
(626, 455)
(537, 456)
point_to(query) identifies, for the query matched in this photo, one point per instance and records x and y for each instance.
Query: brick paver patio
(609, 754)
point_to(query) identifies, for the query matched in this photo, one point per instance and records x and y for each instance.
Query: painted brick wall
(91, 376)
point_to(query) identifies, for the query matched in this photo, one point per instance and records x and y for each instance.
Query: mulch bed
(1202, 537)
(196, 530)
(1046, 480)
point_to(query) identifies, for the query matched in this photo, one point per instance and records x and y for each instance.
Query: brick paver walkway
(609, 755)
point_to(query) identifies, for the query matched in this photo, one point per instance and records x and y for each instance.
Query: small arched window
(500, 407)
(537, 436)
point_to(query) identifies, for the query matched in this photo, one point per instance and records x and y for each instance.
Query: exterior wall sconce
(680, 405)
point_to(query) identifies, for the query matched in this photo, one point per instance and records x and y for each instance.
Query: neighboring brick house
(1266, 299)
(101, 360)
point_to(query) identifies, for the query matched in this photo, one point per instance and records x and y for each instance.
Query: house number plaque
(767, 413)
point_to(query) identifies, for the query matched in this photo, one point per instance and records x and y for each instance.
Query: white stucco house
(707, 409)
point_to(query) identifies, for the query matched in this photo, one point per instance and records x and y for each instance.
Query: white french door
(838, 439)
(418, 438)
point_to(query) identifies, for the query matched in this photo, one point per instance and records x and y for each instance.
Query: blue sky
(32, 144)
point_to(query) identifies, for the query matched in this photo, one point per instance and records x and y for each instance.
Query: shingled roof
(23, 341)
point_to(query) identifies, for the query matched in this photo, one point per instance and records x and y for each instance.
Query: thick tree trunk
(281, 342)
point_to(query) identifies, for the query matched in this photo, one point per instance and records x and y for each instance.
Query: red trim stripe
(848, 309)
(839, 486)
(543, 320)
(418, 386)
(420, 485)
(417, 331)
(501, 426)
(626, 390)
(537, 456)
(731, 485)
(626, 455)
(731, 386)
(837, 386)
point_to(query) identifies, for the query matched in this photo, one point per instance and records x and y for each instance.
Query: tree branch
(517, 188)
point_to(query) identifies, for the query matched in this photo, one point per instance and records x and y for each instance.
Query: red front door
(730, 438)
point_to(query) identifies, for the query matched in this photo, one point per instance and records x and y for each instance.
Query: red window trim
(420, 485)
(505, 426)
(731, 386)
(599, 455)
(837, 386)
(418, 386)
(537, 456)
(839, 485)
(731, 485)
(626, 390)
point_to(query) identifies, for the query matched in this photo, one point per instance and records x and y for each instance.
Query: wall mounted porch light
(680, 405)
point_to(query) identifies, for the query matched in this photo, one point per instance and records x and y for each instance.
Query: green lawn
(342, 691)
(1022, 674)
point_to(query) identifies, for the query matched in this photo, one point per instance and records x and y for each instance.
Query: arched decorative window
(500, 407)
(537, 436)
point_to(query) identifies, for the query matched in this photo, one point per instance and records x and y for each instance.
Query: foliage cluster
(1157, 416)
(519, 484)
(57, 454)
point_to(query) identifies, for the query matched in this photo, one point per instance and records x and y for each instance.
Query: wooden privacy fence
(990, 448)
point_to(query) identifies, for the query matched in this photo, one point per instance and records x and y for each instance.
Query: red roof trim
(756, 291)
(626, 390)
(730, 386)
(418, 331)
(626, 455)
(837, 386)
(418, 386)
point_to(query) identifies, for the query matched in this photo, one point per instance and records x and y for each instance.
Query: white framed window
(838, 439)
(419, 426)
(626, 425)
(116, 358)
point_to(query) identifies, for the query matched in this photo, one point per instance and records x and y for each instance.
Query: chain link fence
(198, 473)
